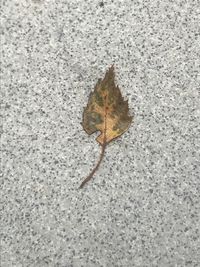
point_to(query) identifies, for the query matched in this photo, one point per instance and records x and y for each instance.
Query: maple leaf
(106, 112)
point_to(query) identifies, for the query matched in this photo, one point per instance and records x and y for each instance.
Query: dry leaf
(106, 112)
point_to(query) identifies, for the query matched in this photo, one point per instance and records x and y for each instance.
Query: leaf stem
(103, 147)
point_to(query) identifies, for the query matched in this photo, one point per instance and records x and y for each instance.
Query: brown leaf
(106, 112)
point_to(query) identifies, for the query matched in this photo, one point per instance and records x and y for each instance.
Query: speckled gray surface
(142, 207)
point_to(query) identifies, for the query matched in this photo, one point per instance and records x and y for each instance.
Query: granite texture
(143, 206)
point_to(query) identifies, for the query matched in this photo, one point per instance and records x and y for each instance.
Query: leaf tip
(112, 68)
